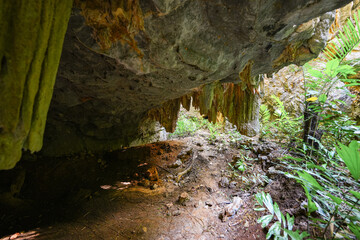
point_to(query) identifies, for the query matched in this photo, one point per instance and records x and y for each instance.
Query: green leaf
(259, 198)
(265, 220)
(293, 158)
(259, 209)
(356, 194)
(349, 40)
(355, 230)
(312, 165)
(304, 235)
(352, 84)
(316, 220)
(296, 235)
(275, 230)
(322, 98)
(283, 220)
(277, 212)
(268, 202)
(311, 206)
(309, 179)
(315, 73)
(331, 66)
(335, 199)
(351, 156)
(290, 221)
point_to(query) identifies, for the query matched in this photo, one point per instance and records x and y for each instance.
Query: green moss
(30, 49)
(48, 75)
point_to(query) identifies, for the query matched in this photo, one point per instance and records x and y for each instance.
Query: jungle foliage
(326, 139)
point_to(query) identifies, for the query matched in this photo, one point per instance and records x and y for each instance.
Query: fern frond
(346, 40)
(264, 114)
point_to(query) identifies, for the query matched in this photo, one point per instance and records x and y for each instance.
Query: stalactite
(239, 103)
(30, 49)
(167, 114)
(239, 106)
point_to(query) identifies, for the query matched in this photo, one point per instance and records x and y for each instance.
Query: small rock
(208, 203)
(154, 186)
(232, 208)
(169, 205)
(246, 224)
(263, 158)
(232, 185)
(276, 154)
(183, 198)
(264, 149)
(224, 182)
(145, 183)
(176, 164)
(176, 213)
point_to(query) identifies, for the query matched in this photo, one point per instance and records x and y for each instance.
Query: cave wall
(32, 34)
(122, 58)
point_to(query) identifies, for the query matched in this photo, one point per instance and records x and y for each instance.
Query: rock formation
(125, 62)
(32, 34)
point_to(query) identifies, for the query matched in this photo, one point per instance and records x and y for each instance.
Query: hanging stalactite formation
(31, 39)
(239, 103)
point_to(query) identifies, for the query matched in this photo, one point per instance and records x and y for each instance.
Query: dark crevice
(3, 68)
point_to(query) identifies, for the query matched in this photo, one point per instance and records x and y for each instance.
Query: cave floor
(138, 193)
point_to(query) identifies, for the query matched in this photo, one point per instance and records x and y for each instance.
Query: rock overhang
(103, 93)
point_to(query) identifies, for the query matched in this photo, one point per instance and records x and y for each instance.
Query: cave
(95, 78)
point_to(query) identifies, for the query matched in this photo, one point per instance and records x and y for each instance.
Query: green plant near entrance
(319, 110)
(322, 115)
(188, 125)
(330, 191)
(283, 227)
(329, 166)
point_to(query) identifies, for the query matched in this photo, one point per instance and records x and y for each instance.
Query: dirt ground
(178, 189)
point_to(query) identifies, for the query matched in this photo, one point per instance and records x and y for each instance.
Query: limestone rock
(30, 48)
(224, 182)
(231, 209)
(102, 96)
(183, 198)
(119, 63)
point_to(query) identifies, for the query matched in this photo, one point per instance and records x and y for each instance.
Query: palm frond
(264, 114)
(346, 40)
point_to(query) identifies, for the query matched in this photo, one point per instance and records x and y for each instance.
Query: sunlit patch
(142, 164)
(22, 236)
(125, 183)
(117, 186)
(106, 187)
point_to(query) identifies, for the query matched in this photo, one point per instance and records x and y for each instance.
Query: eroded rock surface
(105, 88)
(102, 96)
